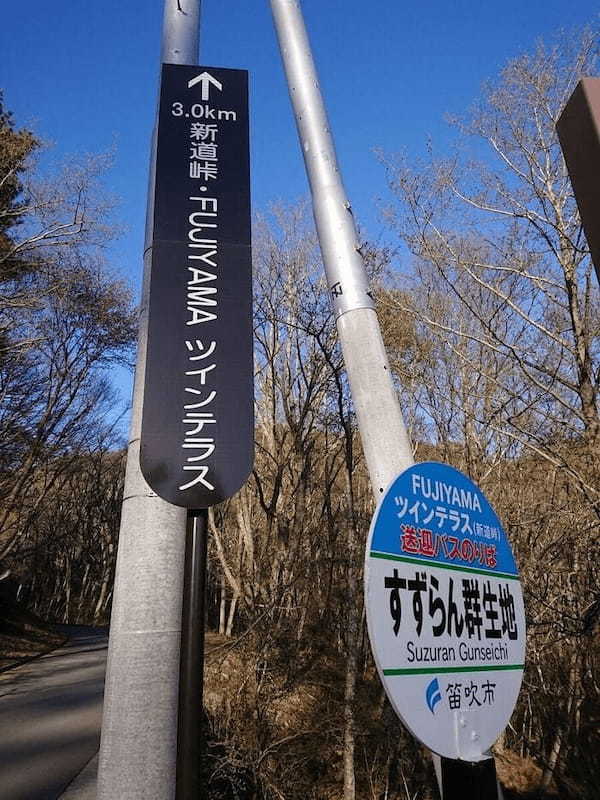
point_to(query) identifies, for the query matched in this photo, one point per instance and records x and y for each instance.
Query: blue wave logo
(433, 695)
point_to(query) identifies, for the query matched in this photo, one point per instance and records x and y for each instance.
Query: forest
(489, 307)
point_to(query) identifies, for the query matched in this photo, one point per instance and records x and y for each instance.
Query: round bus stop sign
(444, 611)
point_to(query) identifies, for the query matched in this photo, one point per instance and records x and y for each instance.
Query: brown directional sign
(578, 131)
(197, 440)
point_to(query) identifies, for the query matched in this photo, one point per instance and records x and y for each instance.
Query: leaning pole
(383, 434)
(139, 728)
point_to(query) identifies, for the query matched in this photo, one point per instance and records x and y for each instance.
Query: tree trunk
(222, 605)
(349, 695)
(231, 617)
(101, 598)
(562, 729)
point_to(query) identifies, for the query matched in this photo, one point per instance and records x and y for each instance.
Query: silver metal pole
(383, 434)
(139, 729)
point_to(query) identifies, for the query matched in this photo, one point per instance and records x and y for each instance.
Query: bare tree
(64, 319)
(501, 263)
(64, 561)
(289, 546)
(504, 345)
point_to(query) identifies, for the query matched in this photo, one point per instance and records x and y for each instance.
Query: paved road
(50, 716)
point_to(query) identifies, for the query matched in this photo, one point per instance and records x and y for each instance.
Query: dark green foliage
(16, 146)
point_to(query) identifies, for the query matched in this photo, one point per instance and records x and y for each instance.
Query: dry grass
(521, 778)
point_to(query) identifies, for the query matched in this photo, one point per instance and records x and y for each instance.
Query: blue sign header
(434, 513)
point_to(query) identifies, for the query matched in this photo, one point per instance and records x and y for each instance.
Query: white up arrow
(205, 79)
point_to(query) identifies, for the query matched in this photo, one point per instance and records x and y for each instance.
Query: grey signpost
(139, 726)
(383, 434)
(578, 131)
(191, 443)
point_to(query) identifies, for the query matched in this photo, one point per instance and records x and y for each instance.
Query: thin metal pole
(139, 729)
(384, 439)
(190, 741)
(383, 434)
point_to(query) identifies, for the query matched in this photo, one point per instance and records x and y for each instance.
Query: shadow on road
(50, 716)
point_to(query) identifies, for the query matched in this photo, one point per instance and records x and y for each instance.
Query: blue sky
(84, 75)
